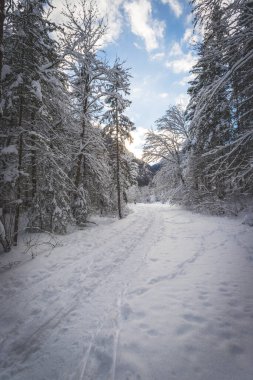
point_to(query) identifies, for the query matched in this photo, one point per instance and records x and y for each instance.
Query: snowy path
(163, 294)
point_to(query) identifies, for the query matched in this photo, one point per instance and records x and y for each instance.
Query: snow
(11, 149)
(37, 89)
(6, 70)
(2, 230)
(248, 219)
(17, 82)
(162, 294)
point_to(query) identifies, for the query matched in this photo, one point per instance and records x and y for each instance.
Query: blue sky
(154, 38)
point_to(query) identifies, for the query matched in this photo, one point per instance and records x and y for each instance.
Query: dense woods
(206, 152)
(61, 157)
(64, 124)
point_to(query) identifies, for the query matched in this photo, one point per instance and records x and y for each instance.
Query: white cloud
(157, 57)
(189, 19)
(110, 10)
(175, 6)
(183, 64)
(176, 50)
(107, 9)
(138, 46)
(185, 80)
(192, 34)
(164, 95)
(137, 146)
(136, 92)
(182, 100)
(142, 23)
(188, 35)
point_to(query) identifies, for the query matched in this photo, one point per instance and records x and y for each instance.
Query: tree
(88, 73)
(219, 158)
(118, 125)
(2, 18)
(210, 119)
(34, 127)
(165, 143)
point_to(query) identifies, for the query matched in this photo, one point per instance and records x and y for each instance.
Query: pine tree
(220, 144)
(209, 113)
(118, 125)
(31, 122)
(240, 58)
(2, 18)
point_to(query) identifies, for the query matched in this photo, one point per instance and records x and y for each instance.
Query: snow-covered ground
(163, 294)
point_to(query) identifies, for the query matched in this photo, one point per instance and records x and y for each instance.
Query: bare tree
(165, 143)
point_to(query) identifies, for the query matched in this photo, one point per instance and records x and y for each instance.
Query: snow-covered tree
(240, 57)
(210, 119)
(34, 118)
(219, 162)
(88, 75)
(2, 17)
(164, 145)
(118, 127)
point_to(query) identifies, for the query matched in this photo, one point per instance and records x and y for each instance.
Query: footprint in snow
(126, 311)
(152, 332)
(225, 292)
(159, 279)
(35, 311)
(233, 302)
(226, 335)
(194, 318)
(223, 283)
(184, 329)
(207, 304)
(234, 349)
(139, 291)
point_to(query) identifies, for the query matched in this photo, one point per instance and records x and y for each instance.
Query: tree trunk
(3, 240)
(118, 162)
(17, 214)
(33, 161)
(2, 17)
(20, 159)
(82, 136)
(78, 170)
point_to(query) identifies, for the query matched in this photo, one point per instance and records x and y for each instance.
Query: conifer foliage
(220, 113)
(215, 161)
(118, 127)
(55, 166)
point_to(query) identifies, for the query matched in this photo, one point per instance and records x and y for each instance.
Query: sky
(155, 38)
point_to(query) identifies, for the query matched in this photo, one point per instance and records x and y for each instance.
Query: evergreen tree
(32, 123)
(118, 126)
(240, 58)
(2, 18)
(210, 119)
(220, 144)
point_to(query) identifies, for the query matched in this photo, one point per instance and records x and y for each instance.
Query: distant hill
(146, 172)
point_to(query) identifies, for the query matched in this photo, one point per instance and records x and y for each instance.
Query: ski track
(114, 300)
(23, 346)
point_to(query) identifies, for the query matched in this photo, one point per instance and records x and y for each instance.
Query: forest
(64, 123)
(206, 151)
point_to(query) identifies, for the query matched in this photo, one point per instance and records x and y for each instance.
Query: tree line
(63, 122)
(207, 151)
